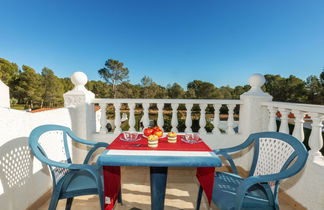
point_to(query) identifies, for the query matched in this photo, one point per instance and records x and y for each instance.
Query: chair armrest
(228, 158)
(224, 152)
(93, 149)
(79, 140)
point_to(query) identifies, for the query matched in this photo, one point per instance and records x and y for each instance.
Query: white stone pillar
(4, 95)
(78, 100)
(250, 109)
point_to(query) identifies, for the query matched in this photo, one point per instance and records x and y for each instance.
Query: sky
(219, 41)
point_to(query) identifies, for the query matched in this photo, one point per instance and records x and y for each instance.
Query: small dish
(191, 138)
(130, 136)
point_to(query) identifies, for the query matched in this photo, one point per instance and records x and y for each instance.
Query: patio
(182, 189)
(21, 174)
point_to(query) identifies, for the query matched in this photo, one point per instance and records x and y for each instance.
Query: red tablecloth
(205, 175)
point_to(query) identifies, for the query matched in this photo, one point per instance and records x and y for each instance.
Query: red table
(180, 154)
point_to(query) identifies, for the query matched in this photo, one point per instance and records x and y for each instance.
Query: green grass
(18, 106)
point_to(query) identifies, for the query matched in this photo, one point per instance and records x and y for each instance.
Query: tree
(226, 92)
(146, 81)
(147, 91)
(127, 90)
(8, 71)
(204, 90)
(239, 90)
(29, 87)
(67, 84)
(100, 89)
(295, 90)
(322, 78)
(275, 86)
(53, 88)
(175, 91)
(114, 73)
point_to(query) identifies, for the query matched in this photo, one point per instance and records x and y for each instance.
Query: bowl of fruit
(155, 131)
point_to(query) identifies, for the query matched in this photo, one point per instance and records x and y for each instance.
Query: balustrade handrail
(167, 101)
(296, 106)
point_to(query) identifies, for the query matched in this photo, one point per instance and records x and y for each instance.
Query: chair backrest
(275, 152)
(52, 143)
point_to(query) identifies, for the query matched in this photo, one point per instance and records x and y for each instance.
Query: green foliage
(175, 91)
(100, 89)
(150, 89)
(29, 87)
(8, 71)
(33, 89)
(291, 89)
(204, 90)
(67, 84)
(127, 90)
(53, 88)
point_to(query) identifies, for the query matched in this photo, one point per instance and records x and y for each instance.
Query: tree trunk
(114, 90)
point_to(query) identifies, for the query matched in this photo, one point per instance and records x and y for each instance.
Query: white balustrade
(117, 118)
(315, 141)
(299, 125)
(284, 121)
(203, 103)
(103, 118)
(272, 125)
(131, 121)
(230, 121)
(188, 118)
(146, 120)
(216, 119)
(202, 120)
(316, 112)
(174, 120)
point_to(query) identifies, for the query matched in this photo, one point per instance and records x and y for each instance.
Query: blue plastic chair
(276, 156)
(69, 180)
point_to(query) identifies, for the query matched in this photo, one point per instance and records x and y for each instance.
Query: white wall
(4, 95)
(23, 178)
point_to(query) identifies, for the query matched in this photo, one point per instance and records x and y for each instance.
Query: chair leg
(102, 199)
(53, 203)
(120, 200)
(199, 197)
(68, 203)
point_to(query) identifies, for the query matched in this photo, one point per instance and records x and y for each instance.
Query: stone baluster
(160, 119)
(103, 118)
(299, 125)
(174, 121)
(146, 120)
(230, 120)
(202, 120)
(316, 140)
(272, 125)
(216, 119)
(131, 121)
(284, 121)
(117, 118)
(188, 118)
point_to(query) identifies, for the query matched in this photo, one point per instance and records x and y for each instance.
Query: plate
(191, 141)
(130, 140)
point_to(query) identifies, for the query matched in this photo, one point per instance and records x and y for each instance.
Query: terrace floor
(182, 189)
